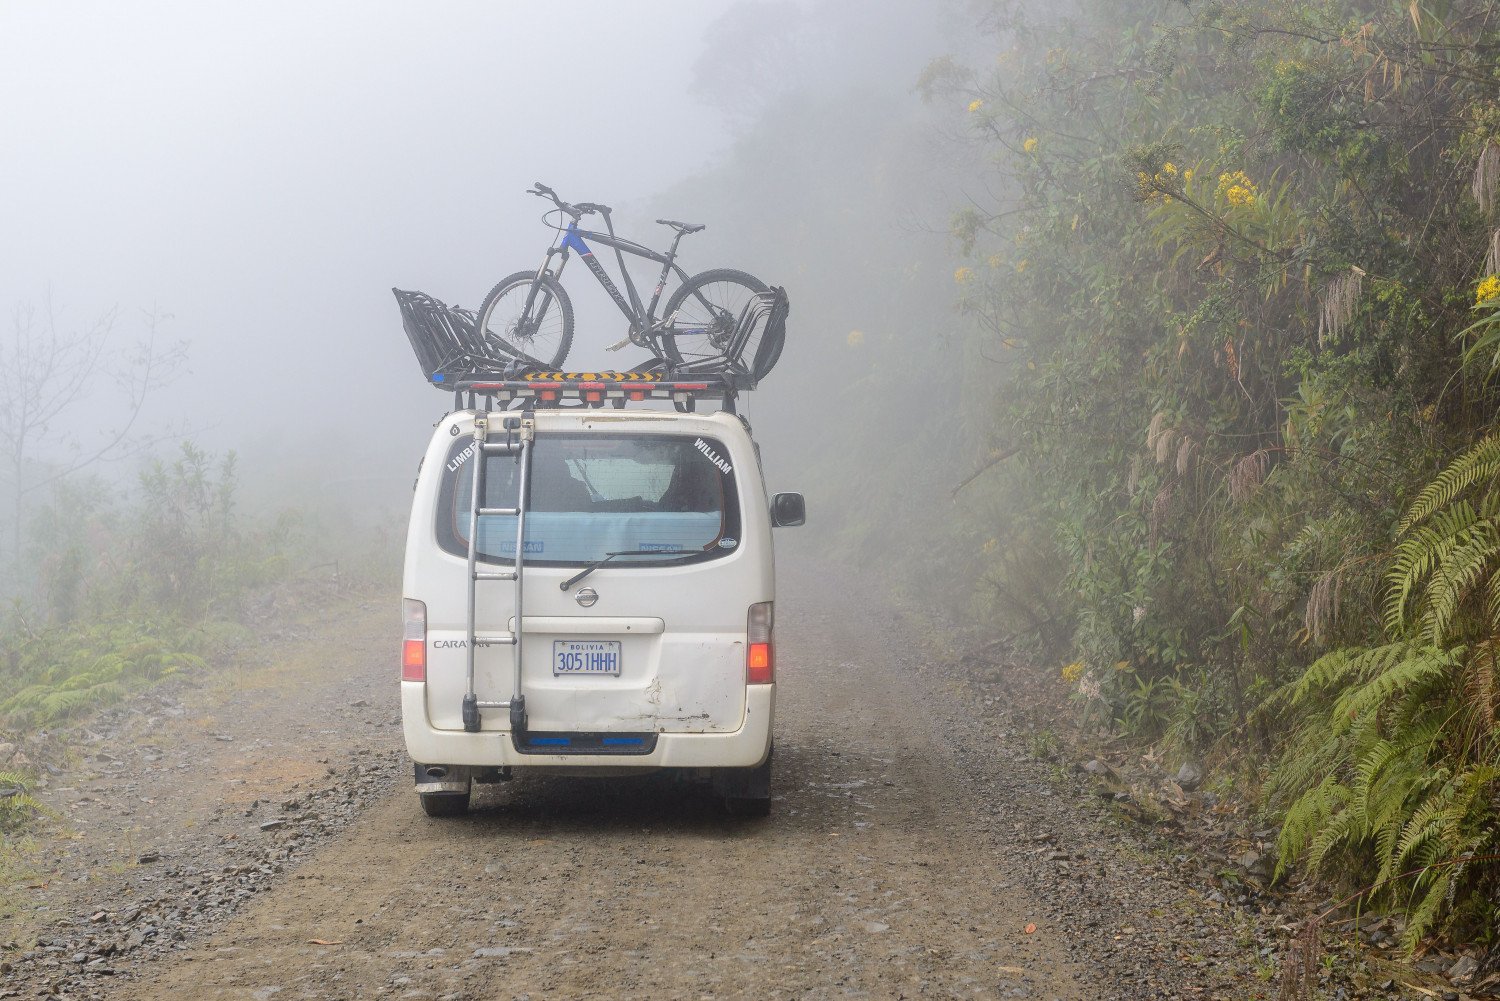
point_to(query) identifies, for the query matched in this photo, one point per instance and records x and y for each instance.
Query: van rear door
(650, 641)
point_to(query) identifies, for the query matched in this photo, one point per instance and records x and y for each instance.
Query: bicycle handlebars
(576, 211)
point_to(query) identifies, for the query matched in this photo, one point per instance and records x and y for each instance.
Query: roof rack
(597, 389)
(454, 356)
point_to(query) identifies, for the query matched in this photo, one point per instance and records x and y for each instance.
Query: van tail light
(413, 640)
(760, 664)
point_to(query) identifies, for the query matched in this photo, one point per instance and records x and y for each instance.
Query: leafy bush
(17, 805)
(60, 673)
(165, 575)
(1397, 768)
(1236, 284)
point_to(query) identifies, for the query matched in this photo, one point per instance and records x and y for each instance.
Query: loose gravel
(253, 835)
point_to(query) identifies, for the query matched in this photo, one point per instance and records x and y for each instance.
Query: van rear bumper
(742, 748)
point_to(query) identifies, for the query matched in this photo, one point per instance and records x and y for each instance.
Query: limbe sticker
(728, 543)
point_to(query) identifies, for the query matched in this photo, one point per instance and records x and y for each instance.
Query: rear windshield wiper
(624, 552)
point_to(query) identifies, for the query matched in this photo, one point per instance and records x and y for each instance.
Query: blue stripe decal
(622, 742)
(552, 741)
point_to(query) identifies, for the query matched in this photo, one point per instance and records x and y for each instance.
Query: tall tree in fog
(69, 398)
(752, 54)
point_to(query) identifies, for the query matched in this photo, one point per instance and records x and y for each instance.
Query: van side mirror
(788, 510)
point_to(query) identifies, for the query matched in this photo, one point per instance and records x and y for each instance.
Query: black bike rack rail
(446, 340)
(454, 357)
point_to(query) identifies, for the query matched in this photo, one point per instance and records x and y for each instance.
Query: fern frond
(1306, 817)
(1340, 667)
(1430, 901)
(1420, 556)
(1311, 757)
(1398, 676)
(1470, 557)
(1341, 829)
(1430, 822)
(1480, 463)
(1413, 667)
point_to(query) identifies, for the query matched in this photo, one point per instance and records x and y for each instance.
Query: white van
(645, 590)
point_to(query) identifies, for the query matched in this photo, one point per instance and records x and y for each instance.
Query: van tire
(747, 791)
(444, 804)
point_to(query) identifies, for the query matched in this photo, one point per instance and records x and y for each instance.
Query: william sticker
(714, 457)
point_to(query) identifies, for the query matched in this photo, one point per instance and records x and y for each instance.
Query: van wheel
(444, 804)
(747, 791)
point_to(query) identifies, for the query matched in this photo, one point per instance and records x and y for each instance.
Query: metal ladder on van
(519, 433)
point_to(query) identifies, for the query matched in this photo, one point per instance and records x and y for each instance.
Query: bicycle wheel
(702, 314)
(544, 337)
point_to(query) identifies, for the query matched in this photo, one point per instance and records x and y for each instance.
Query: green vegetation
(129, 588)
(17, 805)
(1235, 291)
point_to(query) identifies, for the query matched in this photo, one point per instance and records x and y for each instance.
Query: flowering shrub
(1224, 381)
(1237, 189)
(1488, 291)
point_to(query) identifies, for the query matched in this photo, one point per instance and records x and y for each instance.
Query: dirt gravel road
(911, 853)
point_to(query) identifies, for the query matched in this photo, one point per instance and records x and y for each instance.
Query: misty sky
(266, 172)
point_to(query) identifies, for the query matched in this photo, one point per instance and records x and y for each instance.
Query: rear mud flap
(744, 783)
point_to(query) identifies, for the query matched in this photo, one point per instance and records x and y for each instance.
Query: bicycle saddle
(682, 227)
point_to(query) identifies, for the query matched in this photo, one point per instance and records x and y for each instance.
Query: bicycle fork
(527, 323)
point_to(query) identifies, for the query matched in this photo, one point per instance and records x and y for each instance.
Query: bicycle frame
(640, 319)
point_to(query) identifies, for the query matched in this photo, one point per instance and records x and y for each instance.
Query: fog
(265, 173)
(261, 176)
(1145, 354)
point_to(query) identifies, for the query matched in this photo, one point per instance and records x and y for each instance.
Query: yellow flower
(1488, 291)
(1237, 188)
(1072, 672)
(990, 545)
(855, 338)
(1030, 144)
(975, 105)
(994, 260)
(1169, 168)
(1021, 266)
(962, 275)
(1187, 175)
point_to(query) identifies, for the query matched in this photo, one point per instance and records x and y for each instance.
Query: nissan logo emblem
(587, 596)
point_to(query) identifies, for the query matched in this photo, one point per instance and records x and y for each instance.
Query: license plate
(571, 657)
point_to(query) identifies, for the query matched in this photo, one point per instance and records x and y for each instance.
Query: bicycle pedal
(621, 343)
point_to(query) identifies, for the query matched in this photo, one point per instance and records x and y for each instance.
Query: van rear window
(598, 493)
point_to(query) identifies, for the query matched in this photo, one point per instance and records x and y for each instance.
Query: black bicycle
(530, 314)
